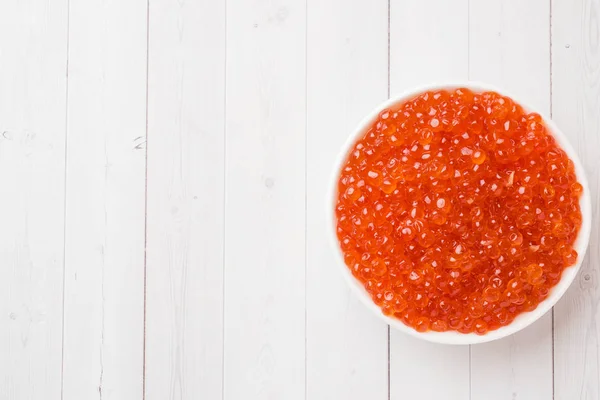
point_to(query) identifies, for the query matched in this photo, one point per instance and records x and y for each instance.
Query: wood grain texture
(245, 104)
(265, 200)
(576, 101)
(186, 90)
(347, 55)
(33, 57)
(509, 48)
(421, 53)
(106, 156)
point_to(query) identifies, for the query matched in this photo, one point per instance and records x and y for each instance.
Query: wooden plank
(428, 42)
(265, 200)
(105, 205)
(509, 48)
(33, 58)
(185, 200)
(347, 351)
(575, 104)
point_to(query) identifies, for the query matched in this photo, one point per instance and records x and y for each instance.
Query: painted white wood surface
(105, 201)
(33, 58)
(244, 105)
(420, 53)
(347, 75)
(184, 299)
(575, 107)
(265, 204)
(509, 46)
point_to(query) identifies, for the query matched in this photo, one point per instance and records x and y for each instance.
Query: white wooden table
(163, 167)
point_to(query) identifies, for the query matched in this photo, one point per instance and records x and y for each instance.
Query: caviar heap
(458, 211)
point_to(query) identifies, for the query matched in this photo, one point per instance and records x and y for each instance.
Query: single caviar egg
(458, 211)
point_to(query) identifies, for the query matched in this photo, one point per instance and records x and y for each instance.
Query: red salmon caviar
(458, 211)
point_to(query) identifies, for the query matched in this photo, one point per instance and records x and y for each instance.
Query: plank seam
(62, 360)
(389, 12)
(469, 78)
(305, 197)
(552, 312)
(146, 203)
(225, 3)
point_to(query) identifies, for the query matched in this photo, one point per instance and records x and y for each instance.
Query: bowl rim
(523, 320)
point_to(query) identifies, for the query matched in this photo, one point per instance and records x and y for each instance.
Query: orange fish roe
(458, 211)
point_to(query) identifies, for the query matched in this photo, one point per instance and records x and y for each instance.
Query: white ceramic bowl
(452, 337)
